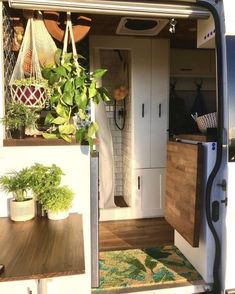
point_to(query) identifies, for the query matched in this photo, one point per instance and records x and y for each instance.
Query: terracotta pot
(57, 215)
(23, 210)
(30, 95)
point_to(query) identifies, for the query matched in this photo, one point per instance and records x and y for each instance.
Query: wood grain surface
(40, 141)
(184, 189)
(136, 233)
(41, 248)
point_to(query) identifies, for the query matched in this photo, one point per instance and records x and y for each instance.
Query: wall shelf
(41, 248)
(40, 141)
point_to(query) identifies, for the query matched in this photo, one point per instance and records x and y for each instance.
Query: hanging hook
(173, 23)
(199, 84)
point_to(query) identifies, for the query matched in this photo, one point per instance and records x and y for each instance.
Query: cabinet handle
(138, 182)
(160, 109)
(186, 69)
(143, 110)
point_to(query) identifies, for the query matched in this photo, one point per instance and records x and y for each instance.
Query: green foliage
(19, 115)
(17, 183)
(72, 89)
(56, 198)
(44, 177)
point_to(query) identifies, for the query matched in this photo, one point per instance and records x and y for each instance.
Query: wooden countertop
(41, 248)
(195, 137)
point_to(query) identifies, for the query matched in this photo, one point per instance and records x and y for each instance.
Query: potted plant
(30, 91)
(57, 200)
(45, 184)
(17, 117)
(22, 207)
(72, 89)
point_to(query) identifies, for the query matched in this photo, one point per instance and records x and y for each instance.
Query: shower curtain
(106, 162)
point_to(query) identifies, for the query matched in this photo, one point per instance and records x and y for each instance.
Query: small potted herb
(17, 117)
(45, 184)
(57, 200)
(22, 207)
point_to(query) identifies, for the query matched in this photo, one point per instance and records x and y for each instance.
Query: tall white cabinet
(149, 73)
(150, 95)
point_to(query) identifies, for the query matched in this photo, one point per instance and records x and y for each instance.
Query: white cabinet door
(150, 186)
(141, 90)
(159, 102)
(19, 287)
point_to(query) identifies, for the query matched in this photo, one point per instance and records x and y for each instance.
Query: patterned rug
(138, 268)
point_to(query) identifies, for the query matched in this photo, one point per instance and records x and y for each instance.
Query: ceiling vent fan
(140, 26)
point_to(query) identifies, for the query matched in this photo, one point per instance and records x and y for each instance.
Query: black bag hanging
(199, 104)
(179, 119)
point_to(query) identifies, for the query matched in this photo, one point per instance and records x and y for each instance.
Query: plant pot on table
(22, 210)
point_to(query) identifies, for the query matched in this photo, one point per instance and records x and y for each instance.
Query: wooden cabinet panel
(184, 189)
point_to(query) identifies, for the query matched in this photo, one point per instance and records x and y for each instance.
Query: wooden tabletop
(41, 248)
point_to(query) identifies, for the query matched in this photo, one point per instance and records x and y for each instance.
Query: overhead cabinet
(197, 63)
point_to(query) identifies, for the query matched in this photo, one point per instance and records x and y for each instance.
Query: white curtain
(106, 163)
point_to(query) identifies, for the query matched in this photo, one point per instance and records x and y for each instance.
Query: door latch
(223, 185)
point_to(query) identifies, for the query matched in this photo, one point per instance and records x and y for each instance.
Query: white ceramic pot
(57, 215)
(22, 211)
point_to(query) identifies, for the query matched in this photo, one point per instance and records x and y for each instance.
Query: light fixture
(115, 8)
(172, 24)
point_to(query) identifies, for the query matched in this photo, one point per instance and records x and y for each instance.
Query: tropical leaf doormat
(138, 268)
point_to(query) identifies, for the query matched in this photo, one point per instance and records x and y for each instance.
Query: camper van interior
(156, 142)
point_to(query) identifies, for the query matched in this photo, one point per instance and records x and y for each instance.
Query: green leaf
(49, 136)
(61, 71)
(99, 73)
(104, 94)
(58, 56)
(91, 144)
(54, 78)
(80, 134)
(68, 86)
(79, 81)
(92, 89)
(65, 137)
(48, 119)
(80, 56)
(67, 129)
(59, 120)
(82, 114)
(92, 129)
(150, 263)
(68, 57)
(46, 72)
(81, 100)
(54, 98)
(62, 110)
(68, 97)
(68, 66)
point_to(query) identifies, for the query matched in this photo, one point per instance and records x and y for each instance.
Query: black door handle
(143, 110)
(160, 109)
(138, 182)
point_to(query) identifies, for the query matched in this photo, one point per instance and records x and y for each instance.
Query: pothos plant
(72, 90)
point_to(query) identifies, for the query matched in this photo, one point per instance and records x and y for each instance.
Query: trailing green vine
(72, 90)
